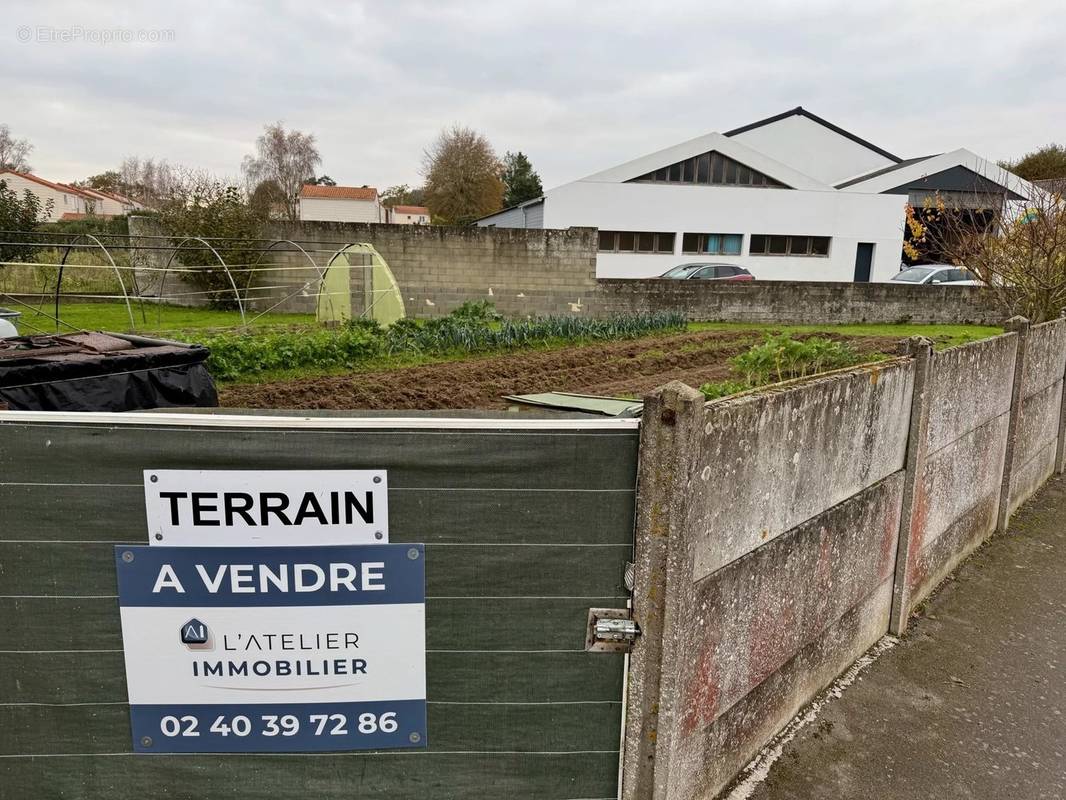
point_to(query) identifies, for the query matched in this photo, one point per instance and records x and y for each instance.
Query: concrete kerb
(670, 436)
(1020, 326)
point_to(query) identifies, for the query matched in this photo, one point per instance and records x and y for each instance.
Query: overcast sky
(577, 86)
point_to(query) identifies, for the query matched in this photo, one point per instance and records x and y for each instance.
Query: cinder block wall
(439, 268)
(782, 533)
(523, 272)
(797, 302)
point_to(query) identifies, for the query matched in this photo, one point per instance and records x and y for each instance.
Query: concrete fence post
(1019, 326)
(910, 532)
(1060, 452)
(670, 435)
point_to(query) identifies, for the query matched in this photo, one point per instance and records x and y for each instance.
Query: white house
(109, 204)
(67, 202)
(791, 197)
(340, 204)
(408, 215)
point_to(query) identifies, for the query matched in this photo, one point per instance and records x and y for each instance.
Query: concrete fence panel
(784, 511)
(1037, 436)
(774, 459)
(959, 462)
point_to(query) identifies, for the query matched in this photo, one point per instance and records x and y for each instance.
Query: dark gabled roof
(802, 112)
(957, 180)
(523, 204)
(883, 171)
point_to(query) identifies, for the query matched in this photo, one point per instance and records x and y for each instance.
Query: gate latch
(610, 630)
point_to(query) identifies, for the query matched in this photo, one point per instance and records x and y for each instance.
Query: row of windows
(710, 169)
(764, 245)
(636, 242)
(717, 244)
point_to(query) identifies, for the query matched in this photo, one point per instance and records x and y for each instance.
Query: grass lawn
(944, 336)
(149, 318)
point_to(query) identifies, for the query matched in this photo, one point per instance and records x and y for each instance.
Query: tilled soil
(629, 368)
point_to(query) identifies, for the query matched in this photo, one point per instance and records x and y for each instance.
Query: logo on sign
(194, 632)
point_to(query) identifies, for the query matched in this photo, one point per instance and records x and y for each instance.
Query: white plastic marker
(240, 508)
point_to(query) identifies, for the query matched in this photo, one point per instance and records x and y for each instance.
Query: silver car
(937, 273)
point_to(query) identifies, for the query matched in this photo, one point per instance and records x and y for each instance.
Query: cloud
(578, 87)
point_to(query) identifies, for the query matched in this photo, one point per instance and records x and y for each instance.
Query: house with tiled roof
(67, 201)
(109, 204)
(408, 215)
(340, 204)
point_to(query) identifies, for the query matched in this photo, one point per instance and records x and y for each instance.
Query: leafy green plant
(781, 358)
(477, 311)
(717, 389)
(236, 355)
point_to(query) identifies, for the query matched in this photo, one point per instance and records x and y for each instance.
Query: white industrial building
(791, 197)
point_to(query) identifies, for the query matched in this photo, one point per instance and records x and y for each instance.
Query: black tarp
(93, 374)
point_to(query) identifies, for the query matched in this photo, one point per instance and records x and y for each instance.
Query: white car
(937, 273)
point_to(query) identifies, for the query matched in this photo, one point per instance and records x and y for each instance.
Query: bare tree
(462, 177)
(288, 158)
(149, 181)
(1013, 244)
(14, 152)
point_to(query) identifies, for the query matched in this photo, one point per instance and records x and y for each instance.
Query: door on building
(864, 259)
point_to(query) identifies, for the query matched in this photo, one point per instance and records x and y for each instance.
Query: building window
(710, 168)
(763, 244)
(716, 244)
(636, 242)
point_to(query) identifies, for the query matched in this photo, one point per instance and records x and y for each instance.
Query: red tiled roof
(105, 195)
(339, 192)
(59, 187)
(72, 215)
(411, 210)
(67, 187)
(117, 197)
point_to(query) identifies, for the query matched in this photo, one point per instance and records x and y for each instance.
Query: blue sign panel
(274, 649)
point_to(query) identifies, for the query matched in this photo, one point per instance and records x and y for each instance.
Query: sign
(226, 508)
(274, 649)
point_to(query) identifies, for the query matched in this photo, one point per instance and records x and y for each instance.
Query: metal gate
(527, 524)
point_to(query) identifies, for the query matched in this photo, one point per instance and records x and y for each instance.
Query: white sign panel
(221, 508)
(274, 649)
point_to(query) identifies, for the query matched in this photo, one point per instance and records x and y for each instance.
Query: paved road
(971, 703)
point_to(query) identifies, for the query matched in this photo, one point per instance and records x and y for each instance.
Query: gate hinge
(611, 630)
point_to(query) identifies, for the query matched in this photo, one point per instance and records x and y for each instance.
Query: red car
(709, 272)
